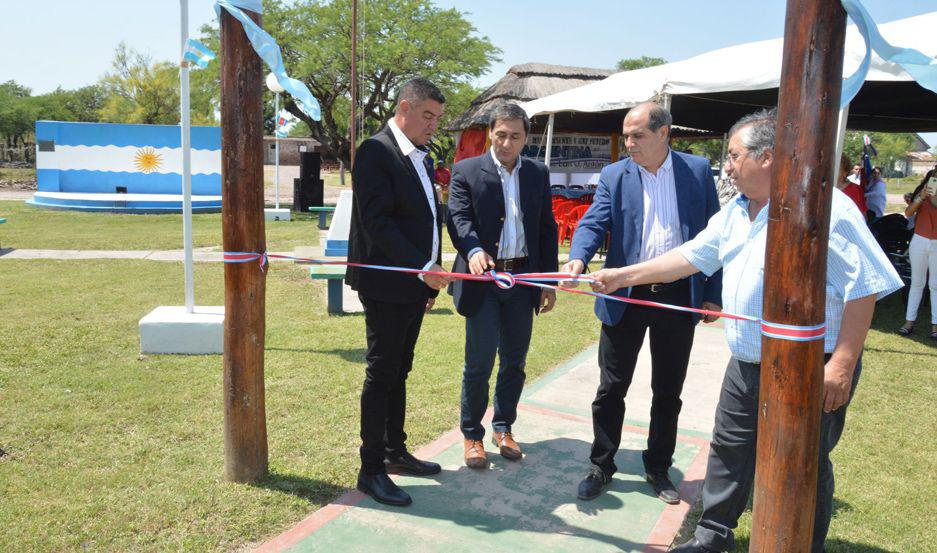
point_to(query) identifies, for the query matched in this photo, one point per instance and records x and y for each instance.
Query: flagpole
(186, 161)
(276, 148)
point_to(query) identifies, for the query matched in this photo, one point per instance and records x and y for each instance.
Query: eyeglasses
(733, 158)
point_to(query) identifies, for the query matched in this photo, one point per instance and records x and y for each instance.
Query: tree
(891, 147)
(398, 40)
(630, 64)
(16, 116)
(140, 91)
(710, 148)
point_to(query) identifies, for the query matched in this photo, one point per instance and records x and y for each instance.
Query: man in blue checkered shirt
(858, 273)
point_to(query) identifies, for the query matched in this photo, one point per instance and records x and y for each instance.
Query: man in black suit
(499, 217)
(395, 221)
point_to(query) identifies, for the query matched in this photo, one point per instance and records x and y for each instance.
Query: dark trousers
(671, 338)
(502, 325)
(731, 469)
(392, 330)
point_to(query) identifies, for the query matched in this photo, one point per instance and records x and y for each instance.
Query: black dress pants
(671, 338)
(392, 330)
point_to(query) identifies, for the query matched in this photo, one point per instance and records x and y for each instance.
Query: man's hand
(710, 306)
(481, 263)
(837, 382)
(430, 302)
(575, 268)
(547, 300)
(606, 281)
(436, 282)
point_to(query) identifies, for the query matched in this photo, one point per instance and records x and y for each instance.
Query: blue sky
(71, 43)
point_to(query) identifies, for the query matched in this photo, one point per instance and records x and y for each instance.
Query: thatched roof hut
(525, 82)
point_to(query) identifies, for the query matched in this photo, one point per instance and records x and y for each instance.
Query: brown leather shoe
(475, 457)
(504, 441)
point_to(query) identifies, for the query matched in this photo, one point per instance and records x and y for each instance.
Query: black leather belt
(511, 264)
(658, 288)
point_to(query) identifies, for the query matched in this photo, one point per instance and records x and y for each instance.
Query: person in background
(875, 196)
(923, 254)
(849, 187)
(855, 176)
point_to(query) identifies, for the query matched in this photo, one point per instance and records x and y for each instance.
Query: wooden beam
(242, 227)
(795, 275)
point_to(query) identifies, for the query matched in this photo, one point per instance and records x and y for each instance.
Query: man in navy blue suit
(499, 217)
(647, 204)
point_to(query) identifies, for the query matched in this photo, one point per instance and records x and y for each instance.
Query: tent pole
(722, 158)
(791, 387)
(840, 140)
(546, 158)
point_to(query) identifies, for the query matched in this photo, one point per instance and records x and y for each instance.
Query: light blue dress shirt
(856, 267)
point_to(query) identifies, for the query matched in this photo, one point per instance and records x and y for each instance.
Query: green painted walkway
(531, 505)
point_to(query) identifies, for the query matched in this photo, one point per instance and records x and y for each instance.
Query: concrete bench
(323, 212)
(334, 274)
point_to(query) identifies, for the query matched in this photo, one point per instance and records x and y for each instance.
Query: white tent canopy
(756, 66)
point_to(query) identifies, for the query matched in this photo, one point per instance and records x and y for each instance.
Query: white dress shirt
(661, 232)
(513, 241)
(416, 157)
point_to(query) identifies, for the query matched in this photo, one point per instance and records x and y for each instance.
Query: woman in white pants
(923, 254)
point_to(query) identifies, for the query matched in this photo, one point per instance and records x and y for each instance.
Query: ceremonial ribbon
(503, 280)
(268, 50)
(922, 68)
(793, 333)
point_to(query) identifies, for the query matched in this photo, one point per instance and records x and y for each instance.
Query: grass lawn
(884, 461)
(34, 228)
(902, 185)
(17, 174)
(110, 450)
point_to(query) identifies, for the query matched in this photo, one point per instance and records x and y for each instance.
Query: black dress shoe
(593, 484)
(663, 487)
(383, 489)
(408, 464)
(692, 546)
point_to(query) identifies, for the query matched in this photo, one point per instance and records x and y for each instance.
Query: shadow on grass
(311, 490)
(832, 546)
(349, 354)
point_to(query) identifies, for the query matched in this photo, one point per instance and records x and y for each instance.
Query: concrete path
(531, 505)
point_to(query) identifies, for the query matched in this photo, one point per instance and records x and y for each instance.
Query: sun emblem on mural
(147, 160)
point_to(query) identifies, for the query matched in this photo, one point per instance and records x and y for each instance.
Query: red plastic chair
(570, 223)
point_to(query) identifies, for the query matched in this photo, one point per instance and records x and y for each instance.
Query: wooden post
(242, 226)
(795, 275)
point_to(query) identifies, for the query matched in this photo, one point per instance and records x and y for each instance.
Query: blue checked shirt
(856, 267)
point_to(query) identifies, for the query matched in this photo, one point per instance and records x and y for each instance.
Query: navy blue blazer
(618, 207)
(475, 217)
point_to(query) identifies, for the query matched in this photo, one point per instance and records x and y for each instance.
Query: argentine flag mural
(127, 167)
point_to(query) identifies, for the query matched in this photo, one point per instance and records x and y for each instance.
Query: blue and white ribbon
(197, 53)
(268, 50)
(922, 68)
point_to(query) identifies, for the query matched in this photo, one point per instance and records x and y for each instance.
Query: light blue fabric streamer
(921, 68)
(268, 50)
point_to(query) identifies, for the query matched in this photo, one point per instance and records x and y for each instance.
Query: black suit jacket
(391, 223)
(476, 215)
